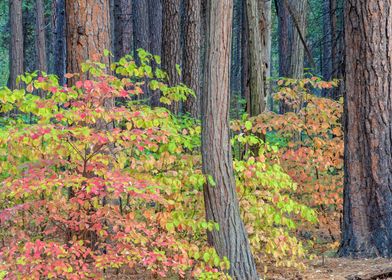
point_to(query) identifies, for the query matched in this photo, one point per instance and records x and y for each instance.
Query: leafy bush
(95, 182)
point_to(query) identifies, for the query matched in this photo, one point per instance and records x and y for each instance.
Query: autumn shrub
(95, 183)
(89, 188)
(308, 143)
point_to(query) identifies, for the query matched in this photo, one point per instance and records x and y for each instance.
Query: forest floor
(340, 269)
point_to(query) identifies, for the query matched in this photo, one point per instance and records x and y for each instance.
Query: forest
(195, 139)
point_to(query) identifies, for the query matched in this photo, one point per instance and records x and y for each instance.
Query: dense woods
(195, 139)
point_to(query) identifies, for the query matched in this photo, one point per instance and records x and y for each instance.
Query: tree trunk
(123, 28)
(284, 39)
(367, 208)
(192, 55)
(257, 98)
(258, 20)
(297, 47)
(16, 46)
(326, 65)
(59, 44)
(245, 76)
(291, 24)
(40, 37)
(155, 17)
(41, 40)
(337, 51)
(265, 14)
(221, 200)
(141, 24)
(88, 32)
(171, 51)
(291, 49)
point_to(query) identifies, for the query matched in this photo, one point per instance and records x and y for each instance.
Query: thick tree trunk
(123, 28)
(367, 209)
(171, 51)
(16, 46)
(59, 44)
(88, 32)
(257, 98)
(192, 55)
(221, 200)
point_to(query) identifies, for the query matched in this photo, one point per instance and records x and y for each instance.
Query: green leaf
(211, 181)
(206, 256)
(248, 125)
(170, 227)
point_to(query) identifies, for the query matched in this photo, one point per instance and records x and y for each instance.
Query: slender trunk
(291, 26)
(367, 207)
(245, 77)
(88, 32)
(59, 44)
(257, 97)
(40, 40)
(171, 51)
(327, 58)
(265, 14)
(192, 56)
(291, 48)
(221, 200)
(285, 39)
(155, 17)
(16, 46)
(141, 24)
(123, 28)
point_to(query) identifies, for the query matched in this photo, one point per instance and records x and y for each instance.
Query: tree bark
(291, 48)
(59, 43)
(155, 17)
(327, 58)
(171, 51)
(265, 14)
(257, 101)
(367, 208)
(245, 76)
(41, 40)
(192, 55)
(16, 46)
(88, 32)
(292, 30)
(123, 28)
(141, 24)
(221, 200)
(40, 37)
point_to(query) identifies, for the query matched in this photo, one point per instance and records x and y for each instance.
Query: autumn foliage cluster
(95, 182)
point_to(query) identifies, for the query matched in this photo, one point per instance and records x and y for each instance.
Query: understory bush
(95, 182)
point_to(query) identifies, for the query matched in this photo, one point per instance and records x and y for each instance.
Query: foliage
(88, 187)
(93, 181)
(309, 147)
